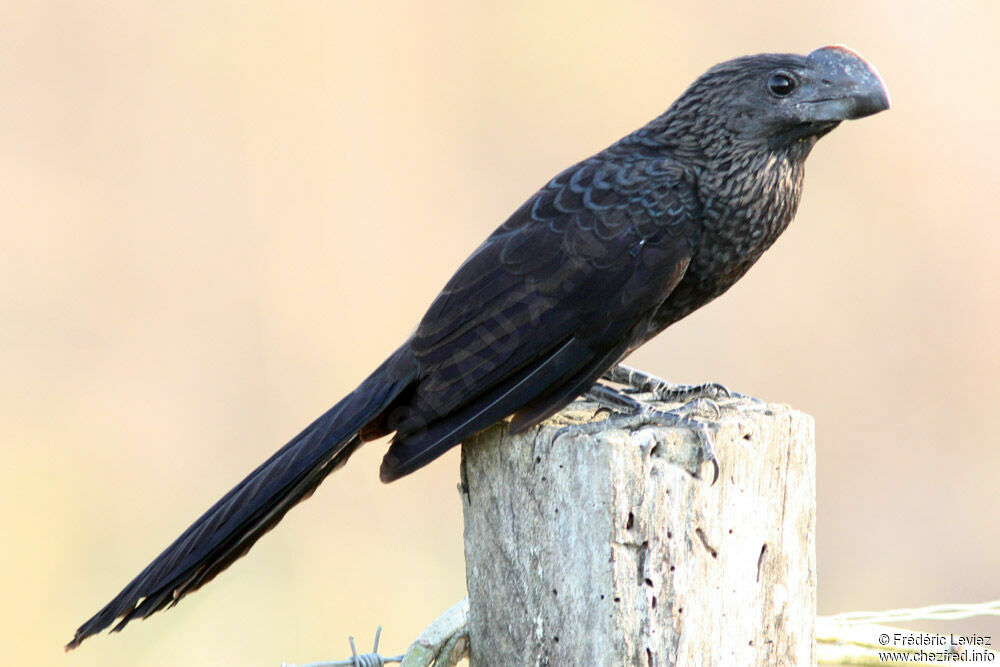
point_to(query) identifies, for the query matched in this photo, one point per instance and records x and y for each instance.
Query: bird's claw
(631, 412)
(707, 450)
(701, 431)
(636, 381)
(685, 393)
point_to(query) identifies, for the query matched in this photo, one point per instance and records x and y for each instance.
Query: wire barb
(373, 659)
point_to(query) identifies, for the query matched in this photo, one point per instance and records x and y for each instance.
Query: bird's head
(774, 101)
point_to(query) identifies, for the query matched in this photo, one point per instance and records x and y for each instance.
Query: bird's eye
(781, 84)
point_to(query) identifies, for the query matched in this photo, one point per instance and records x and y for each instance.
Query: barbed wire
(444, 643)
(373, 659)
(938, 612)
(868, 637)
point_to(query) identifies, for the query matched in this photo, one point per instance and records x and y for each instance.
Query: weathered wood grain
(610, 549)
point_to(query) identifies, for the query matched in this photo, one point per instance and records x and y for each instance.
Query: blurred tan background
(218, 217)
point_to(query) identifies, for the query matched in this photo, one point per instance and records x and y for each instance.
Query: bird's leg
(633, 413)
(638, 382)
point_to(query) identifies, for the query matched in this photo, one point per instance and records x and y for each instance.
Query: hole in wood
(704, 541)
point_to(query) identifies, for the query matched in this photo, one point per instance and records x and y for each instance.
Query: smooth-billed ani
(605, 256)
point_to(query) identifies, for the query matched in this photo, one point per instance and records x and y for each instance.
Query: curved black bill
(851, 86)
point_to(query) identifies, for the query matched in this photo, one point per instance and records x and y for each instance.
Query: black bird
(602, 258)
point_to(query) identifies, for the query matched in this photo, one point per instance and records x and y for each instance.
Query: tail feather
(230, 527)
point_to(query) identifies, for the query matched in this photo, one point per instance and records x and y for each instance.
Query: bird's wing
(552, 298)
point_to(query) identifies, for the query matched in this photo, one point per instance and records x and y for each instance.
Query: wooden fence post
(606, 549)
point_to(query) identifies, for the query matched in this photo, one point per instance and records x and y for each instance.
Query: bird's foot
(632, 413)
(635, 381)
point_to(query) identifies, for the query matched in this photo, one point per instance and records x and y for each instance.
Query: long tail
(230, 527)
